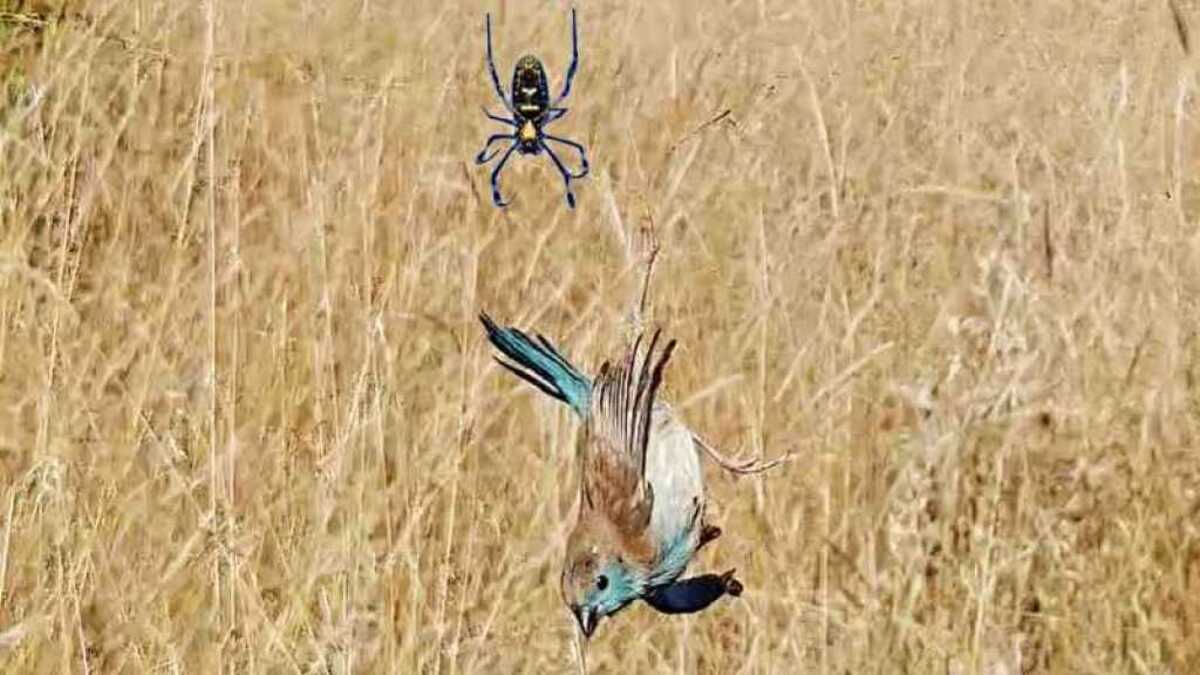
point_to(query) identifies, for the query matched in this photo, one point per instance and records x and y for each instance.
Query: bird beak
(587, 621)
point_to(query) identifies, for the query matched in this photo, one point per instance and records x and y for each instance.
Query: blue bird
(641, 515)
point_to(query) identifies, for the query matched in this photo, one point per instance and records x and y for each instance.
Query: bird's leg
(641, 249)
(708, 533)
(732, 586)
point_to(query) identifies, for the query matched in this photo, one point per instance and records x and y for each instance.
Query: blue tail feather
(540, 364)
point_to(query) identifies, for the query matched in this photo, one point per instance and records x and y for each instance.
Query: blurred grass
(946, 252)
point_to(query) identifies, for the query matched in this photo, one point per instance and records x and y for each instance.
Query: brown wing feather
(617, 436)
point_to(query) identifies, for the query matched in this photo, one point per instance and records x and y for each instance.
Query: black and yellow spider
(531, 109)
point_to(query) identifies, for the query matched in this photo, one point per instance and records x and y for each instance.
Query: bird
(641, 517)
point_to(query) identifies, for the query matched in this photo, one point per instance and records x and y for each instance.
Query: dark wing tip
(668, 350)
(542, 386)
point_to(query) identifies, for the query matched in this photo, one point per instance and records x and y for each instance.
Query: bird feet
(732, 586)
(708, 533)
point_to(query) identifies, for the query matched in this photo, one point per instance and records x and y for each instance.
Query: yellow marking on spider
(528, 132)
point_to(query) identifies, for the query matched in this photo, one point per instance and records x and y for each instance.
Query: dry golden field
(945, 253)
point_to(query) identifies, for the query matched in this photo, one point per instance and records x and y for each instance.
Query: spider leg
(491, 64)
(566, 175)
(574, 60)
(583, 171)
(553, 114)
(483, 157)
(496, 198)
(497, 118)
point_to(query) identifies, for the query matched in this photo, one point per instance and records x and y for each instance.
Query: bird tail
(540, 364)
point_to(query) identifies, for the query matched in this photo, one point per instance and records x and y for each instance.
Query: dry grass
(947, 252)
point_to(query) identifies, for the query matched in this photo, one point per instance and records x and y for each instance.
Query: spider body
(531, 101)
(530, 88)
(531, 109)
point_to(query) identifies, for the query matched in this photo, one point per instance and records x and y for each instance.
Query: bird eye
(601, 582)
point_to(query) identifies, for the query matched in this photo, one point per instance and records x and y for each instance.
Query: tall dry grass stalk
(946, 252)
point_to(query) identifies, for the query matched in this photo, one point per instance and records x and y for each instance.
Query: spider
(531, 109)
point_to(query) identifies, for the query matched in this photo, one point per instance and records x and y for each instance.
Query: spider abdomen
(530, 91)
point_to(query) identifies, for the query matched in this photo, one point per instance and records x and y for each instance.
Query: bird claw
(732, 586)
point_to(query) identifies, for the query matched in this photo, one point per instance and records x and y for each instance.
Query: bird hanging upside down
(641, 515)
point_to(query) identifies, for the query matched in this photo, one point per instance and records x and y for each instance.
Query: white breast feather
(673, 469)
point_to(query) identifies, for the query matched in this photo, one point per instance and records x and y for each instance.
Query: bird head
(597, 580)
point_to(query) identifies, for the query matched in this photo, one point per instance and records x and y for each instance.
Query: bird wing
(618, 432)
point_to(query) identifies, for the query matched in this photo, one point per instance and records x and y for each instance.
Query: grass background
(946, 253)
